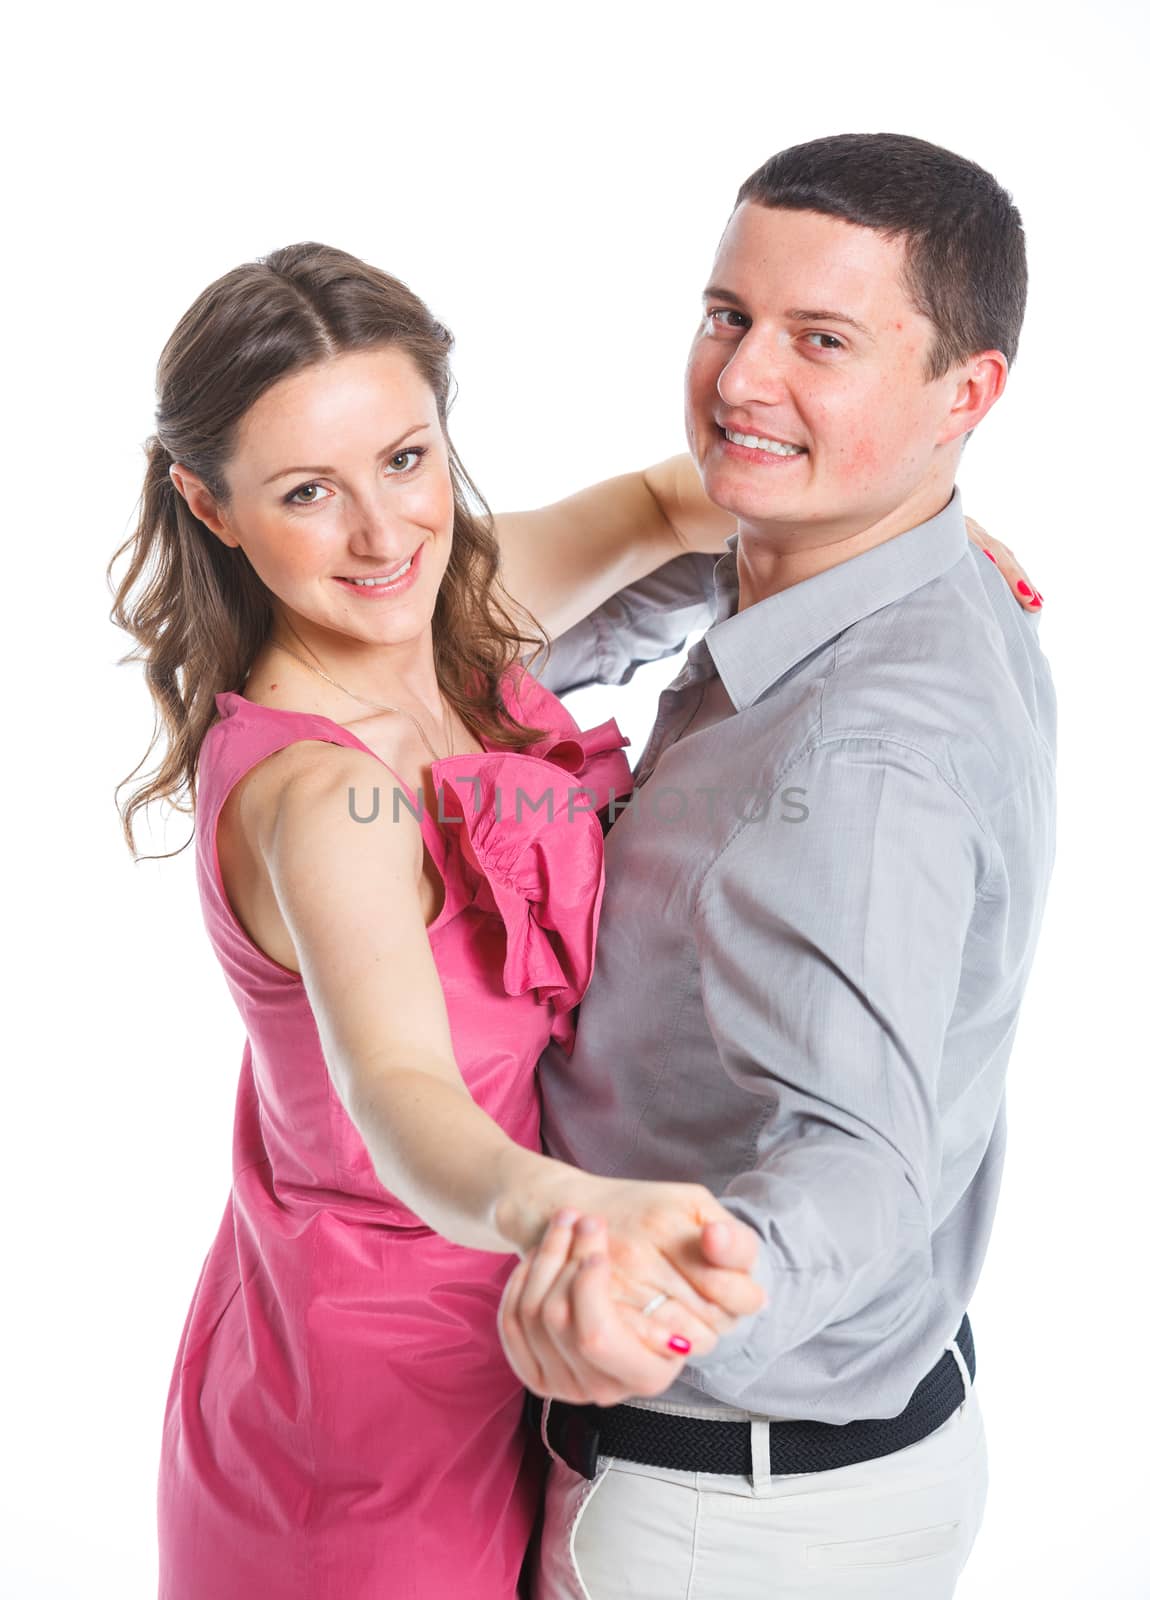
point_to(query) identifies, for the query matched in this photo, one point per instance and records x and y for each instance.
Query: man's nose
(755, 372)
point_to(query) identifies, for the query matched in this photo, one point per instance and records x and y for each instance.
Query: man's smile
(758, 447)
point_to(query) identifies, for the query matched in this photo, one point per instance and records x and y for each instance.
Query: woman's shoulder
(247, 729)
(262, 750)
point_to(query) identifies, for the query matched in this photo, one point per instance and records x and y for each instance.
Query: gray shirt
(820, 912)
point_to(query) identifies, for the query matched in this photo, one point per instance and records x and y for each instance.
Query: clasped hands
(572, 1315)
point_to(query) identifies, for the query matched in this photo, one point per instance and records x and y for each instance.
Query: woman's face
(341, 473)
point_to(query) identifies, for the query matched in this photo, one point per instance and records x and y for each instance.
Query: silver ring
(653, 1304)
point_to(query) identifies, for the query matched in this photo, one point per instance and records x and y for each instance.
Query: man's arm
(623, 573)
(831, 952)
(620, 574)
(643, 622)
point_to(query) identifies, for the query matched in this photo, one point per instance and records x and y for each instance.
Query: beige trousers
(900, 1527)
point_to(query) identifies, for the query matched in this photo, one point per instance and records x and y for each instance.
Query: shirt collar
(752, 649)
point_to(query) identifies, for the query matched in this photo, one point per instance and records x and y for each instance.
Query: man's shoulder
(953, 669)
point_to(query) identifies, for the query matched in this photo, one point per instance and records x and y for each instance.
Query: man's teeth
(771, 446)
(370, 583)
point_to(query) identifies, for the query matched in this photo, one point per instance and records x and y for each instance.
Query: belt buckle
(573, 1434)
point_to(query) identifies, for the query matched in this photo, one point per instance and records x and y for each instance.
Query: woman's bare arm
(562, 561)
(348, 894)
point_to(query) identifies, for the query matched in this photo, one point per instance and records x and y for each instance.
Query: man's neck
(772, 558)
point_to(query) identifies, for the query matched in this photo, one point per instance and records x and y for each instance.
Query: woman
(340, 1419)
(405, 910)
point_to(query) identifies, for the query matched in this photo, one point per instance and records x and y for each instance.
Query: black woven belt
(581, 1434)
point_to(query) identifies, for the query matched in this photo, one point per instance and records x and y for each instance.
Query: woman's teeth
(371, 583)
(771, 446)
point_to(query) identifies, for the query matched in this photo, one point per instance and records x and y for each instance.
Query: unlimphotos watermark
(667, 804)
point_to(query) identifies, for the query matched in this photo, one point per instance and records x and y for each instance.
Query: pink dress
(341, 1423)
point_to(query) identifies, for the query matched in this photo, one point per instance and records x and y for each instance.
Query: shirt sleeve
(644, 622)
(830, 936)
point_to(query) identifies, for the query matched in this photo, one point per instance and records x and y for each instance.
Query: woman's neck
(336, 671)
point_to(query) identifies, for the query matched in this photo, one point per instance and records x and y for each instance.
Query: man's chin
(753, 491)
(749, 507)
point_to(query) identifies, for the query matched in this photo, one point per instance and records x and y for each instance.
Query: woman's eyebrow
(388, 450)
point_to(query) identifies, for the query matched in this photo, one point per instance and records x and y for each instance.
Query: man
(821, 910)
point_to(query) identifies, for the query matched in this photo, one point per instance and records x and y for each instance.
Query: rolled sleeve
(830, 937)
(644, 622)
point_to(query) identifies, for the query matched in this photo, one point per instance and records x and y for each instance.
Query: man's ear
(201, 504)
(976, 385)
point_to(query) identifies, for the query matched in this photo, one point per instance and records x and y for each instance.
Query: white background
(553, 181)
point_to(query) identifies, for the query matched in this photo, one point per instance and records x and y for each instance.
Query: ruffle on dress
(530, 846)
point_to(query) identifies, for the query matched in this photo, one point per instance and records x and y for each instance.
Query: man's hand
(1007, 563)
(574, 1329)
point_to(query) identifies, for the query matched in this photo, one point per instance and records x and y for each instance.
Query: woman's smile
(380, 587)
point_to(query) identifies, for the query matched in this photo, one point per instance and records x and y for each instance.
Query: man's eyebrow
(797, 314)
(388, 450)
(715, 291)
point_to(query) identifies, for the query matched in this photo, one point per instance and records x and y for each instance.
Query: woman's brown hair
(197, 610)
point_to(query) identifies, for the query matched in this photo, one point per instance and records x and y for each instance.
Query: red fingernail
(1037, 597)
(987, 553)
(1024, 588)
(681, 1346)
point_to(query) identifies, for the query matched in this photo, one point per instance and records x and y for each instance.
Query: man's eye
(724, 317)
(832, 343)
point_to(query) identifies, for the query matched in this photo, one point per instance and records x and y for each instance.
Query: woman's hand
(1007, 563)
(572, 1318)
(654, 1246)
(571, 1333)
(568, 1336)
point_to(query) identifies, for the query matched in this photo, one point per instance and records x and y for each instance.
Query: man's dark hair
(965, 248)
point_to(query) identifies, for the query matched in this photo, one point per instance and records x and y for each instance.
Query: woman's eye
(831, 342)
(406, 460)
(290, 499)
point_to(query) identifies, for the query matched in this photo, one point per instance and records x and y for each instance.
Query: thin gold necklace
(377, 705)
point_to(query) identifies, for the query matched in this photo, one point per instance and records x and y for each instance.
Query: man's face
(811, 350)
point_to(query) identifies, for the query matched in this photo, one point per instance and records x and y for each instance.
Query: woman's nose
(376, 530)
